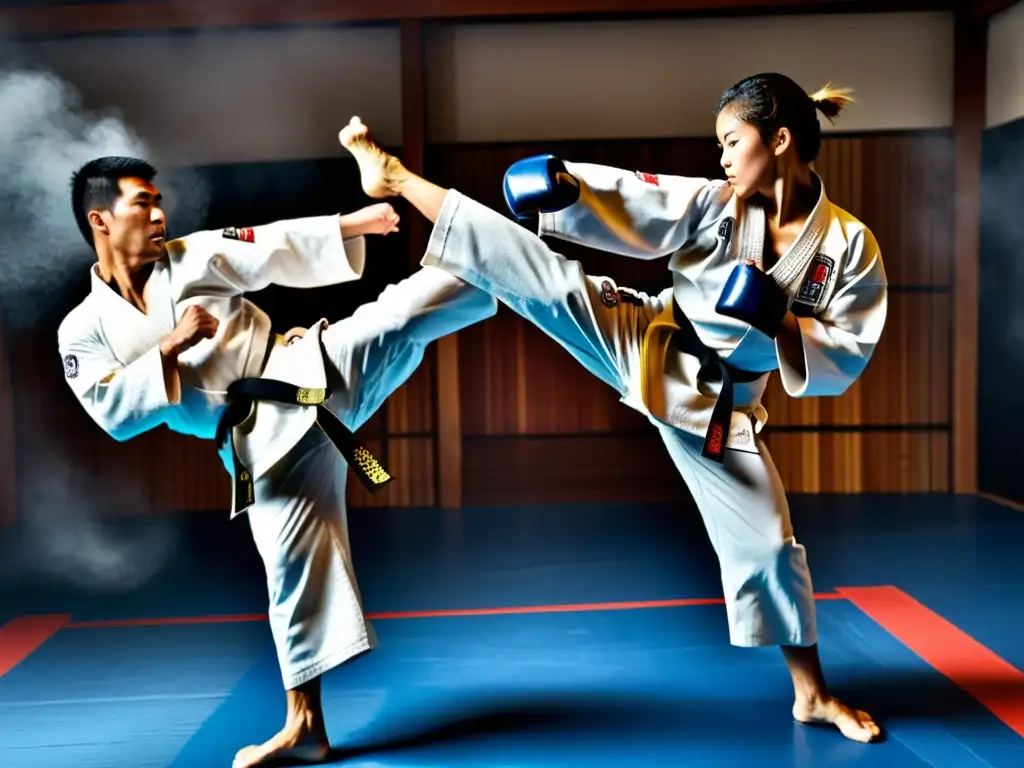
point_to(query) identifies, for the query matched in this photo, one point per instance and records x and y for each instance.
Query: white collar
(790, 269)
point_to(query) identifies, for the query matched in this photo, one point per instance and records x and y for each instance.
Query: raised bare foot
(381, 173)
(299, 743)
(852, 723)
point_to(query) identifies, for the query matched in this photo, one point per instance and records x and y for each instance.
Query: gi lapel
(129, 332)
(802, 272)
(161, 302)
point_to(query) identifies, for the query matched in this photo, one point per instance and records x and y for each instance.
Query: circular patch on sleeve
(71, 366)
(609, 296)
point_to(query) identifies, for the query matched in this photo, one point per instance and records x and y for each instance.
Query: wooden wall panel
(518, 381)
(858, 461)
(970, 60)
(535, 425)
(410, 409)
(411, 461)
(906, 382)
(900, 186)
(569, 469)
(533, 415)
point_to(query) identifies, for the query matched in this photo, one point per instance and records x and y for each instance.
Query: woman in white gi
(768, 274)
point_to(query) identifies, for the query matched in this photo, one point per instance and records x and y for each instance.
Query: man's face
(136, 227)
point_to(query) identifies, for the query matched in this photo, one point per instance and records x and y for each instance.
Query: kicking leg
(375, 350)
(600, 325)
(383, 175)
(315, 609)
(767, 583)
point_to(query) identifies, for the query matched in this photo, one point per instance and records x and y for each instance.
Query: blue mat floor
(639, 687)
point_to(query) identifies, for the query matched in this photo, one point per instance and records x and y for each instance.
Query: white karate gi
(113, 365)
(833, 271)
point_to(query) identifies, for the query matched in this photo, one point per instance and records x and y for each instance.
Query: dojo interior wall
(8, 494)
(255, 112)
(1001, 306)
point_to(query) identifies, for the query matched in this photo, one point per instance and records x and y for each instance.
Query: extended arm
(635, 214)
(294, 253)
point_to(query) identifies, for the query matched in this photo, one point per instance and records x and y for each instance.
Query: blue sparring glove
(539, 184)
(755, 298)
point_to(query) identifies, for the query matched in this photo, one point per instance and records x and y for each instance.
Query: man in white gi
(768, 274)
(166, 336)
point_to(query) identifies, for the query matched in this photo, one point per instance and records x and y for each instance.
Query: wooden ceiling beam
(981, 10)
(168, 15)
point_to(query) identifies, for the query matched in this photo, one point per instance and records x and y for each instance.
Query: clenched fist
(195, 325)
(376, 219)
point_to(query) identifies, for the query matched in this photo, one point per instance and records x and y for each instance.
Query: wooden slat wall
(538, 427)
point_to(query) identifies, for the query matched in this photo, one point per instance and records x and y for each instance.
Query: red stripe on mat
(575, 608)
(167, 621)
(994, 682)
(20, 637)
(578, 608)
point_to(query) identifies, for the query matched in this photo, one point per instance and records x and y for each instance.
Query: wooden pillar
(447, 421)
(414, 127)
(8, 496)
(969, 84)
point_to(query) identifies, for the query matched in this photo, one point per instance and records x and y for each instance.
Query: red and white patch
(715, 442)
(650, 178)
(813, 289)
(245, 234)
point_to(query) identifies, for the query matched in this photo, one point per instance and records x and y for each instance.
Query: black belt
(242, 395)
(713, 368)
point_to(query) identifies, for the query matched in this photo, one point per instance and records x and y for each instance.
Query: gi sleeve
(635, 214)
(294, 253)
(833, 348)
(124, 401)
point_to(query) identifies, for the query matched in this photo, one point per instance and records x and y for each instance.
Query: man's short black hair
(95, 186)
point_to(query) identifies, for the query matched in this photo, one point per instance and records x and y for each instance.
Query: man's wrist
(168, 347)
(350, 226)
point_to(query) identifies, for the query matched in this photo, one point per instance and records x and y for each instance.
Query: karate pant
(298, 520)
(765, 578)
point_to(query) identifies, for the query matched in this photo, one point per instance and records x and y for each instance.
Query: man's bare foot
(852, 723)
(382, 174)
(300, 742)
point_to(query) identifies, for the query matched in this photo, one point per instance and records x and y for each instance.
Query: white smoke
(74, 530)
(45, 135)
(66, 527)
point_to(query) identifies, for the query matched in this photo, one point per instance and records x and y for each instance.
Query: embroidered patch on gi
(650, 178)
(714, 441)
(71, 366)
(817, 277)
(725, 230)
(609, 297)
(245, 234)
(629, 296)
